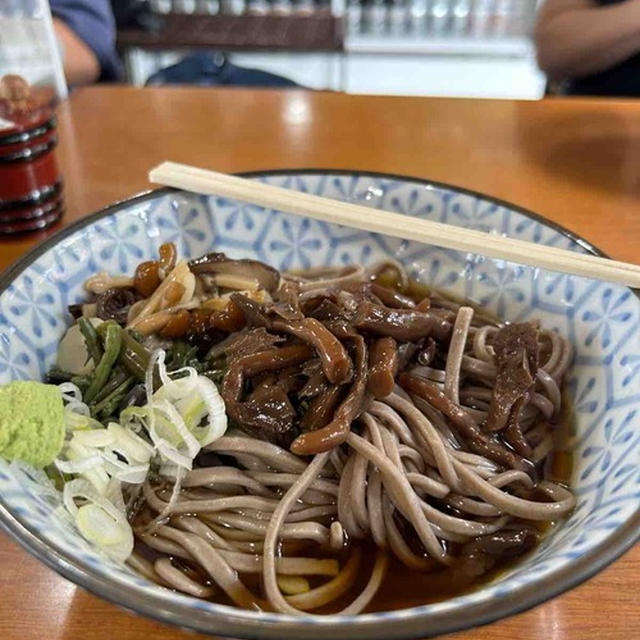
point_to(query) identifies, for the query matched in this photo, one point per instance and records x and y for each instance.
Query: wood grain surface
(574, 161)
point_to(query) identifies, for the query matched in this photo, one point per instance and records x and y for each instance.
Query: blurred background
(473, 48)
(468, 48)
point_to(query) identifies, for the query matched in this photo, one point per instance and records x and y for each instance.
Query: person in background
(592, 46)
(86, 32)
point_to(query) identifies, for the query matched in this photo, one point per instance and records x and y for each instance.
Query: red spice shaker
(30, 182)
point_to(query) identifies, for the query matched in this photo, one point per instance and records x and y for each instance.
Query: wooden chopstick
(394, 224)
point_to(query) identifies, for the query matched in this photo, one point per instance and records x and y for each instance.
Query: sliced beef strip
(516, 349)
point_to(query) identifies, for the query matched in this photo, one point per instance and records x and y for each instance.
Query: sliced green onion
(99, 520)
(130, 445)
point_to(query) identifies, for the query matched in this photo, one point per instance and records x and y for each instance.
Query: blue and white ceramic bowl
(602, 321)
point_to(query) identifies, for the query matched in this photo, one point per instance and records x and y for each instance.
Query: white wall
(411, 74)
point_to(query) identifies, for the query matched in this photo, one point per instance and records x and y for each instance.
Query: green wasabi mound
(31, 422)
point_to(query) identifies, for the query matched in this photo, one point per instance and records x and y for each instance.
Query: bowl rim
(413, 623)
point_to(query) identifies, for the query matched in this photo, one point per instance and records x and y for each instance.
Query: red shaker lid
(18, 119)
(19, 127)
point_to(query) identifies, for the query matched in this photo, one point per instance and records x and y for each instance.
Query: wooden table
(575, 161)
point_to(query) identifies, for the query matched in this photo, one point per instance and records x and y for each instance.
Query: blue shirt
(92, 21)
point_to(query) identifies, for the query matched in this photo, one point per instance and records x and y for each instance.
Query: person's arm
(577, 38)
(80, 63)
(87, 32)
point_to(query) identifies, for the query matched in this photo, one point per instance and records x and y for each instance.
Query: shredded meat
(383, 367)
(262, 315)
(350, 408)
(478, 441)
(308, 362)
(252, 341)
(427, 353)
(401, 324)
(268, 413)
(336, 363)
(391, 297)
(484, 552)
(516, 349)
(316, 382)
(513, 433)
(321, 409)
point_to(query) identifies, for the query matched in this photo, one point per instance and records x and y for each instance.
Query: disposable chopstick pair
(393, 224)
